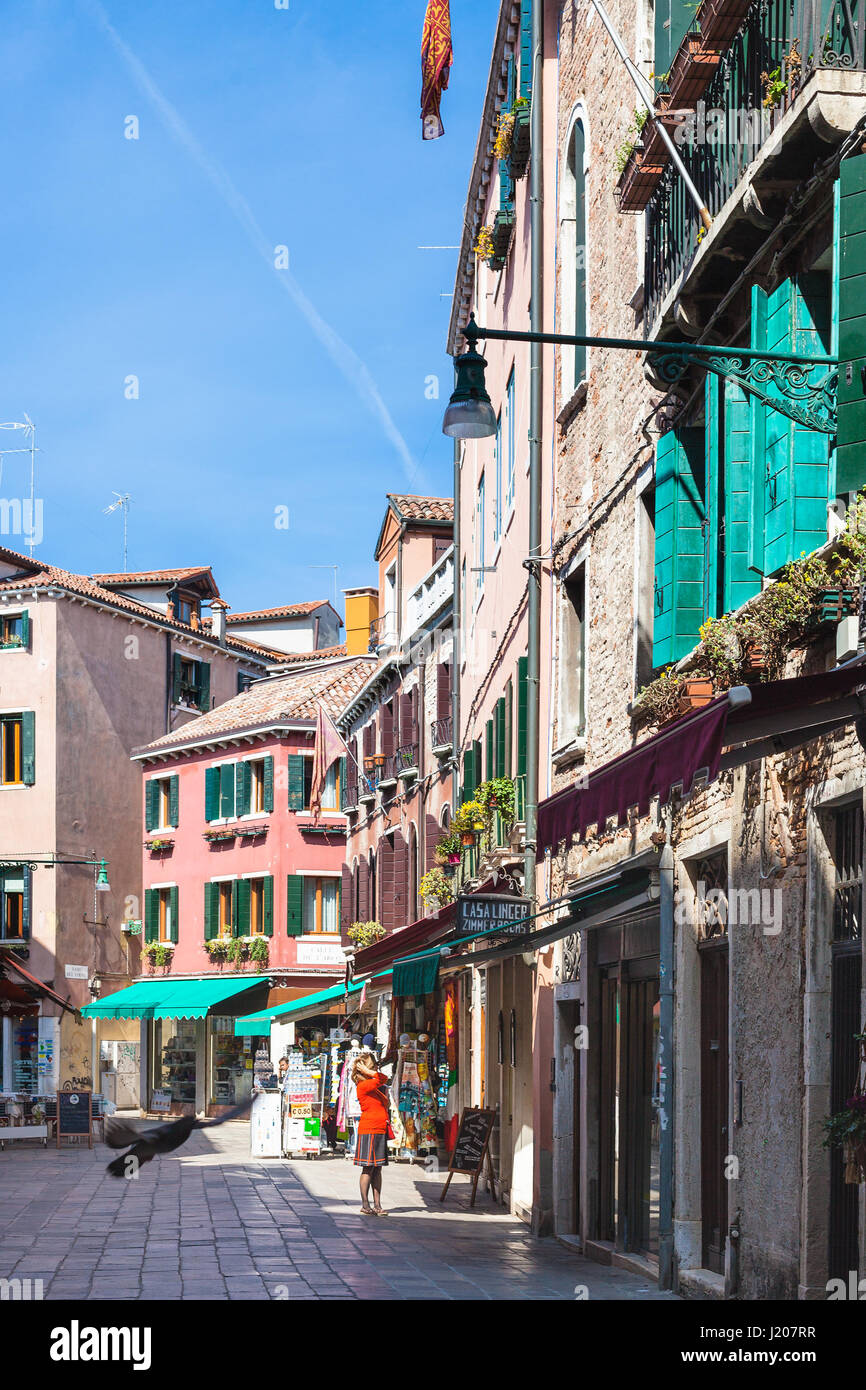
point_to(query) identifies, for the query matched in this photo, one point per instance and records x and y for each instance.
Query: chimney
(218, 620)
(362, 610)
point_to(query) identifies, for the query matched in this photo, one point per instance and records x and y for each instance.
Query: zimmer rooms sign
(478, 913)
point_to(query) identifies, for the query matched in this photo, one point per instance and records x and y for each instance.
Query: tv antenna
(29, 429)
(122, 502)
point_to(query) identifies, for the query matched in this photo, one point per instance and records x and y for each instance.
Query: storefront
(29, 1029)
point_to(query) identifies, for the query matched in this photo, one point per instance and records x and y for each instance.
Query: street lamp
(102, 884)
(470, 414)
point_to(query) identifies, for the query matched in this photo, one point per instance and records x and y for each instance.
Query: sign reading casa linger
(477, 913)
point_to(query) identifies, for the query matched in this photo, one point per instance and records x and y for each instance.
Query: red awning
(751, 721)
(7, 958)
(404, 941)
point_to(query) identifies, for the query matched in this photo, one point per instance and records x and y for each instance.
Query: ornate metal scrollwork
(711, 883)
(803, 395)
(571, 957)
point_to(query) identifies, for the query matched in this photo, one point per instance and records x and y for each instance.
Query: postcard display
(304, 1095)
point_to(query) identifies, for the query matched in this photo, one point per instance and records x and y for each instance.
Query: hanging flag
(436, 58)
(329, 747)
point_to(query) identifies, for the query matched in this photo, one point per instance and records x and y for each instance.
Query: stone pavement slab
(209, 1222)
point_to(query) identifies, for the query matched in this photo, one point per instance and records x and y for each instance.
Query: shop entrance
(627, 1060)
(846, 983)
(714, 1103)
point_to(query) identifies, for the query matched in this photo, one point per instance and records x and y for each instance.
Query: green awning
(285, 1013)
(168, 998)
(417, 976)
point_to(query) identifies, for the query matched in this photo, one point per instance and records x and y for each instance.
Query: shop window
(231, 1079)
(25, 1056)
(176, 1053)
(17, 749)
(321, 906)
(15, 903)
(14, 631)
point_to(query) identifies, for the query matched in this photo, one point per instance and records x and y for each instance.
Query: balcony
(383, 633)
(350, 795)
(431, 596)
(441, 737)
(406, 760)
(789, 86)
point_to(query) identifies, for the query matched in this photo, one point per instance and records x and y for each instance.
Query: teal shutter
(174, 800)
(243, 788)
(499, 769)
(269, 783)
(297, 799)
(673, 19)
(28, 747)
(25, 629)
(790, 463)
(294, 905)
(679, 544)
(172, 907)
(476, 754)
(211, 911)
(151, 804)
(851, 295)
(468, 776)
(175, 678)
(526, 49)
(738, 417)
(522, 692)
(151, 915)
(241, 916)
(204, 686)
(227, 790)
(488, 749)
(268, 895)
(212, 793)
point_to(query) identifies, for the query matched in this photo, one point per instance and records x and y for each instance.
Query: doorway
(715, 1123)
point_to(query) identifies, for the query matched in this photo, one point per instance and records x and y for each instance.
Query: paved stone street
(209, 1222)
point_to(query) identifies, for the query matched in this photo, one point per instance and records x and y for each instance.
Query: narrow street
(211, 1223)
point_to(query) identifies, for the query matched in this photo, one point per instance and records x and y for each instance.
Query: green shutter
(851, 297)
(151, 914)
(211, 911)
(476, 754)
(522, 706)
(227, 791)
(174, 800)
(741, 582)
(172, 907)
(28, 747)
(526, 49)
(212, 794)
(679, 544)
(175, 678)
(269, 905)
(204, 685)
(243, 788)
(499, 716)
(151, 804)
(673, 19)
(294, 905)
(297, 799)
(269, 783)
(25, 629)
(509, 726)
(488, 749)
(468, 776)
(241, 918)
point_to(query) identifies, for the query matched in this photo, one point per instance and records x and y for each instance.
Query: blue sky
(151, 258)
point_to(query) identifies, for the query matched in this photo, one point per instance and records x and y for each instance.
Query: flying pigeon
(145, 1144)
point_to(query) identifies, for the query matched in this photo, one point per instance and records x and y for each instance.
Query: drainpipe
(457, 641)
(533, 664)
(666, 1065)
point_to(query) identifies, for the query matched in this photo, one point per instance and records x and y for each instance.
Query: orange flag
(436, 58)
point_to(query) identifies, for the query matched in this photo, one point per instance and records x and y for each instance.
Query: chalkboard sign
(471, 1149)
(74, 1115)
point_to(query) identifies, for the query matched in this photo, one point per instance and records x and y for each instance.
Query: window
(15, 903)
(646, 516)
(574, 258)
(220, 787)
(226, 920)
(572, 658)
(161, 803)
(17, 738)
(463, 613)
(389, 625)
(509, 445)
(331, 790)
(321, 905)
(14, 630)
(185, 607)
(190, 682)
(257, 907)
(245, 680)
(497, 457)
(479, 533)
(160, 914)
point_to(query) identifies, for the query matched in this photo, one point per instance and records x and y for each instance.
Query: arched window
(371, 891)
(574, 255)
(412, 904)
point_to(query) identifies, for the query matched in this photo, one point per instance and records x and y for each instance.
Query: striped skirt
(371, 1150)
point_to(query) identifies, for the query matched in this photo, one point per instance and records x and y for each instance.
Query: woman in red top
(371, 1149)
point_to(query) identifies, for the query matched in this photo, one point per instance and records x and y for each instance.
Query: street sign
(76, 972)
(478, 912)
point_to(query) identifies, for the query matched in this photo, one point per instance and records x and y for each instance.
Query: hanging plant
(504, 135)
(236, 951)
(216, 949)
(436, 885)
(471, 816)
(158, 953)
(259, 952)
(363, 934)
(846, 1130)
(448, 847)
(484, 247)
(497, 794)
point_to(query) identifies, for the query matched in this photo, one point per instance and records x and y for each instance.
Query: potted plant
(435, 888)
(447, 849)
(469, 821)
(846, 1129)
(216, 949)
(521, 139)
(158, 954)
(155, 846)
(259, 952)
(697, 691)
(497, 794)
(363, 934)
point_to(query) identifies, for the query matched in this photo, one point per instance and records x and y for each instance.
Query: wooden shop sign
(471, 1150)
(482, 912)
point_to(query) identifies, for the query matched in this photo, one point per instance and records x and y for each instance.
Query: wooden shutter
(851, 293)
(506, 182)
(151, 915)
(509, 723)
(729, 441)
(468, 788)
(241, 915)
(433, 835)
(386, 726)
(151, 803)
(25, 629)
(489, 753)
(173, 911)
(476, 754)
(294, 905)
(268, 904)
(297, 799)
(365, 907)
(369, 739)
(673, 19)
(211, 911)
(243, 788)
(345, 898)
(526, 49)
(268, 789)
(28, 747)
(443, 690)
(500, 736)
(404, 910)
(227, 791)
(522, 691)
(204, 686)
(680, 544)
(385, 874)
(408, 726)
(211, 793)
(175, 678)
(174, 800)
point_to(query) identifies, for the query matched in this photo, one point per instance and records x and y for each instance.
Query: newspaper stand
(303, 1104)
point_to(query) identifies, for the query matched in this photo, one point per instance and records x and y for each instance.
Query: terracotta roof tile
(422, 508)
(289, 610)
(154, 576)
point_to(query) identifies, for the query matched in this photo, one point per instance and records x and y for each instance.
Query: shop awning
(169, 998)
(33, 985)
(748, 721)
(417, 976)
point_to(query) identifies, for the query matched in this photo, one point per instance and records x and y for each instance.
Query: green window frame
(15, 631)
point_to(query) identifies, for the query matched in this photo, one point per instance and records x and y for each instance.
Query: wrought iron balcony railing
(440, 733)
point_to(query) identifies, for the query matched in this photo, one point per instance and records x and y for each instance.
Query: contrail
(347, 360)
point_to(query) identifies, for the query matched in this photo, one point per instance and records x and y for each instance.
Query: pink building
(241, 889)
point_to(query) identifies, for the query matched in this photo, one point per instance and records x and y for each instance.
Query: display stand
(303, 1099)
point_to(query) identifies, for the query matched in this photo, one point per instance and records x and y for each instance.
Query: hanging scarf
(452, 1119)
(436, 58)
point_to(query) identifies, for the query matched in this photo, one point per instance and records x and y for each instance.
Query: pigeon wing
(119, 1134)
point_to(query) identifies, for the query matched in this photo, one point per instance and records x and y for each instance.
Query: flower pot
(467, 838)
(454, 859)
(756, 657)
(696, 693)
